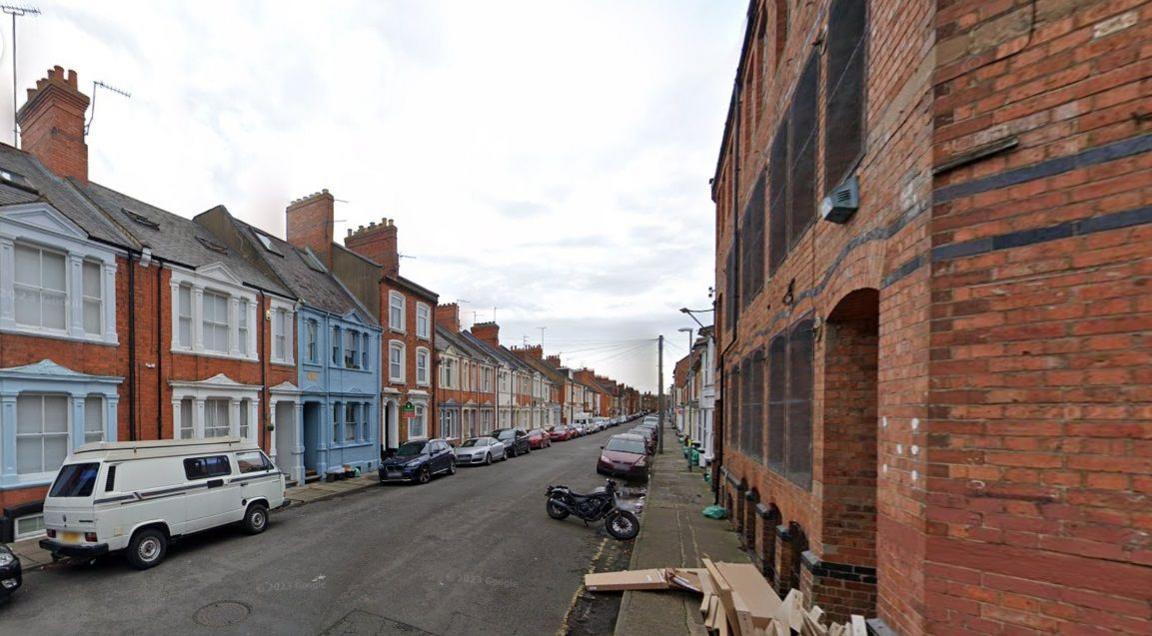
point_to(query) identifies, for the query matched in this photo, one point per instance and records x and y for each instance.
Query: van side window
(252, 461)
(205, 467)
(110, 480)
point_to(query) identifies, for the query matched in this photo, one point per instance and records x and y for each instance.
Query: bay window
(311, 345)
(416, 424)
(365, 352)
(184, 313)
(41, 432)
(351, 349)
(335, 345)
(93, 298)
(242, 318)
(41, 289)
(282, 320)
(215, 322)
(216, 422)
(93, 419)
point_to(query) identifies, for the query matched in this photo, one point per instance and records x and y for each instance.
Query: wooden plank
(858, 627)
(707, 590)
(686, 578)
(627, 580)
(724, 591)
(751, 586)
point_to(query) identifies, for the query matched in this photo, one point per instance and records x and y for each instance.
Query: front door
(312, 428)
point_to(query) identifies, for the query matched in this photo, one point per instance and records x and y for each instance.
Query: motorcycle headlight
(6, 559)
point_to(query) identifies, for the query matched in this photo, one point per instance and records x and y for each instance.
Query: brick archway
(844, 575)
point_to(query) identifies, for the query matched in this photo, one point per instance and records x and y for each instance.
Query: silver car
(480, 450)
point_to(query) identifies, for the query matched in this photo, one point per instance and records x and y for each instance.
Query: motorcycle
(601, 503)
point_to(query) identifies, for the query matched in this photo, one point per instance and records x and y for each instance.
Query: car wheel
(147, 548)
(424, 476)
(255, 518)
(452, 468)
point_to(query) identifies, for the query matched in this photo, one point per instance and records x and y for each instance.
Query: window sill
(16, 329)
(395, 330)
(214, 354)
(343, 445)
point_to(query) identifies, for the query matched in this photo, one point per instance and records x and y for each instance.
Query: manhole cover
(222, 613)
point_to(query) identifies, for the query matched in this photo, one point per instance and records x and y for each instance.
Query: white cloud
(547, 158)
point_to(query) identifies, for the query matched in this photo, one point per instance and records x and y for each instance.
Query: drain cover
(222, 613)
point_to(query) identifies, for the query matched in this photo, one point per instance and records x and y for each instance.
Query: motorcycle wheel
(622, 525)
(555, 511)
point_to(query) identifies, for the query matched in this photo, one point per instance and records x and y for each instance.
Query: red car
(539, 438)
(561, 433)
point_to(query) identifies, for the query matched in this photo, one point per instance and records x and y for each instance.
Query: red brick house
(368, 264)
(932, 257)
(466, 387)
(118, 320)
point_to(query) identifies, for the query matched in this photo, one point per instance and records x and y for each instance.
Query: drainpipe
(263, 424)
(160, 358)
(132, 393)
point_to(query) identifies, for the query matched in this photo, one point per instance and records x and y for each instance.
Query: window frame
(426, 332)
(282, 330)
(839, 167)
(402, 347)
(397, 303)
(27, 288)
(426, 380)
(194, 286)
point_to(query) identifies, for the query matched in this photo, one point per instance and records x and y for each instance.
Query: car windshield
(411, 449)
(506, 434)
(472, 442)
(622, 445)
(75, 480)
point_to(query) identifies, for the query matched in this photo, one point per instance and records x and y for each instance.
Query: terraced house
(120, 320)
(328, 420)
(466, 392)
(932, 255)
(368, 265)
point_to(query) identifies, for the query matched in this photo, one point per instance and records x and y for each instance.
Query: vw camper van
(139, 496)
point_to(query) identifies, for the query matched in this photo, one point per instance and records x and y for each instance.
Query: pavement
(471, 553)
(674, 533)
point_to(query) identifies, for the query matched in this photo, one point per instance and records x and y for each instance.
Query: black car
(515, 441)
(11, 576)
(417, 461)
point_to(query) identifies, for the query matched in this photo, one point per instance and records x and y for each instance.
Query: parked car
(579, 430)
(538, 438)
(480, 450)
(561, 433)
(649, 436)
(515, 440)
(111, 496)
(11, 574)
(417, 461)
(626, 456)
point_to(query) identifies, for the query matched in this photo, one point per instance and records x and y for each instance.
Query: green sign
(409, 407)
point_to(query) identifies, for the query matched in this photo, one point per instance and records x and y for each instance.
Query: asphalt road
(473, 553)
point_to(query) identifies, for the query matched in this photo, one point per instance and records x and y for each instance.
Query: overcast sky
(549, 159)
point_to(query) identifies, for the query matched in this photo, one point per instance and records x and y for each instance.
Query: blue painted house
(336, 398)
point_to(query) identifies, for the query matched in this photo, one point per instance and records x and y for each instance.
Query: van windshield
(75, 480)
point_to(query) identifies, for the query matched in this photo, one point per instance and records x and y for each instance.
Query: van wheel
(147, 548)
(255, 518)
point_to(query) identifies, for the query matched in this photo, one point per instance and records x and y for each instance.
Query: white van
(139, 496)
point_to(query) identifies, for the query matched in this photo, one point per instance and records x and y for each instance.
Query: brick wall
(1041, 343)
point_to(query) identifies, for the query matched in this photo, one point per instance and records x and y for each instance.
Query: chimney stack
(448, 316)
(488, 333)
(377, 242)
(554, 361)
(310, 223)
(52, 124)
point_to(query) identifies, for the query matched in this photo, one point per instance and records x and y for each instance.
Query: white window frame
(423, 379)
(222, 387)
(397, 301)
(421, 419)
(279, 308)
(423, 312)
(402, 347)
(40, 226)
(217, 279)
(312, 341)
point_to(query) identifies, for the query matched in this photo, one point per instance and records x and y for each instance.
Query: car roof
(122, 451)
(628, 436)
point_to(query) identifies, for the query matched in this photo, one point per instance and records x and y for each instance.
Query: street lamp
(691, 314)
(687, 330)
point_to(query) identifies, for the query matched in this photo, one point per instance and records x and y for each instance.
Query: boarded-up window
(800, 356)
(746, 406)
(790, 382)
(844, 89)
(731, 307)
(754, 425)
(778, 199)
(752, 244)
(777, 401)
(802, 152)
(733, 397)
